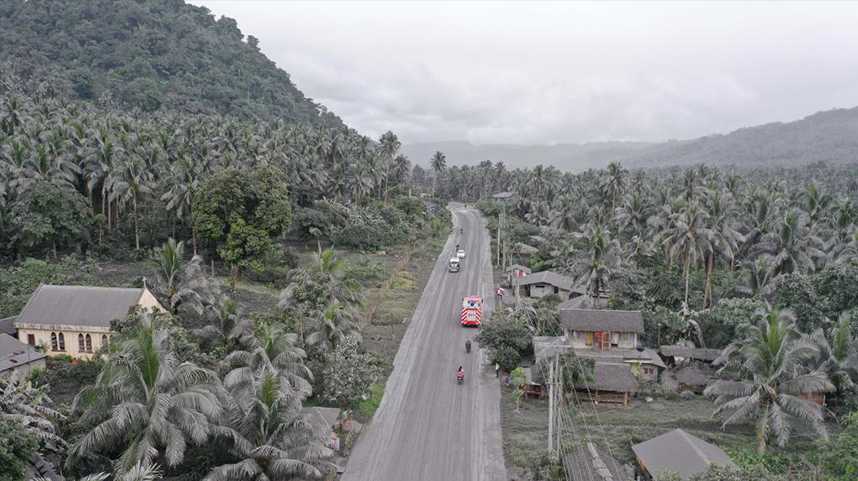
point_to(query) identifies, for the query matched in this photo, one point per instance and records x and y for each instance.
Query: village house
(546, 283)
(18, 360)
(610, 339)
(516, 272)
(680, 453)
(75, 320)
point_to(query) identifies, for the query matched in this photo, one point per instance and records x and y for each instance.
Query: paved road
(428, 428)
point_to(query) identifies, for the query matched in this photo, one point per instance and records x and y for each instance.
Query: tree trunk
(234, 277)
(136, 223)
(761, 429)
(707, 291)
(687, 274)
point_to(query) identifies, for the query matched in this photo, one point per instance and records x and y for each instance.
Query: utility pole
(551, 409)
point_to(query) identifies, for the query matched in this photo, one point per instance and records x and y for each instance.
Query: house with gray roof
(677, 452)
(7, 326)
(75, 320)
(18, 360)
(678, 354)
(547, 283)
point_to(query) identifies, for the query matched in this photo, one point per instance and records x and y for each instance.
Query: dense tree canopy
(152, 55)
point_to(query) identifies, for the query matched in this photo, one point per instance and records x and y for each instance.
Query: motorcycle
(460, 377)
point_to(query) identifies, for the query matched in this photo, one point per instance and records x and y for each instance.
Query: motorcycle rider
(460, 373)
(468, 346)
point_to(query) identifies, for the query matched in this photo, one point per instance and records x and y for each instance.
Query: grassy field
(615, 428)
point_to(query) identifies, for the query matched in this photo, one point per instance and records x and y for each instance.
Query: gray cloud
(560, 72)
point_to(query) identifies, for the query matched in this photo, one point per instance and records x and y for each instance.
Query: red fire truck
(472, 311)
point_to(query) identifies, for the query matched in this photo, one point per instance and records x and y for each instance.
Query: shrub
(16, 447)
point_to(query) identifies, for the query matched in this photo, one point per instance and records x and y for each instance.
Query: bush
(366, 408)
(507, 338)
(16, 447)
(348, 374)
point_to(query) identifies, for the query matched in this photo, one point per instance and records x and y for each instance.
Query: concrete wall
(624, 340)
(70, 336)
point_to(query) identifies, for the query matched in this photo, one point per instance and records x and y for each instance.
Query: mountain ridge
(824, 136)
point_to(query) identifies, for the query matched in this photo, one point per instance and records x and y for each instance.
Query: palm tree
(792, 247)
(169, 257)
(147, 403)
(268, 439)
(602, 258)
(724, 238)
(768, 364)
(688, 239)
(837, 355)
(439, 163)
(271, 348)
(30, 407)
(185, 179)
(336, 323)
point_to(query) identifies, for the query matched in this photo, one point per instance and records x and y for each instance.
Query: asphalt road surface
(428, 427)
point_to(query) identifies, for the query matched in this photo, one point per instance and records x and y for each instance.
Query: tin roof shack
(680, 453)
(612, 383)
(693, 378)
(546, 283)
(18, 360)
(675, 355)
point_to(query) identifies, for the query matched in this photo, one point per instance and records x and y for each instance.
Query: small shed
(546, 283)
(678, 452)
(18, 360)
(677, 354)
(612, 383)
(531, 388)
(693, 378)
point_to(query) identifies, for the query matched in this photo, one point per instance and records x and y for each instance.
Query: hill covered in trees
(830, 136)
(152, 55)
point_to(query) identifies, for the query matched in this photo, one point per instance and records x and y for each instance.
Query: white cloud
(560, 72)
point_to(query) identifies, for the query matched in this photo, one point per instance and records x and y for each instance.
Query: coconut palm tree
(147, 403)
(438, 163)
(768, 365)
(268, 438)
(336, 323)
(30, 407)
(270, 348)
(792, 247)
(688, 239)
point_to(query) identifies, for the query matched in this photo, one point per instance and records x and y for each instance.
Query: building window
(104, 339)
(88, 343)
(588, 338)
(31, 339)
(54, 345)
(80, 346)
(615, 339)
(62, 341)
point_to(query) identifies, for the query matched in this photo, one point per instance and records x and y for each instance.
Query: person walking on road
(497, 370)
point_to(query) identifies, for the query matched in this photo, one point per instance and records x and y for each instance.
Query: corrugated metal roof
(547, 277)
(7, 325)
(601, 320)
(78, 305)
(14, 353)
(698, 353)
(679, 452)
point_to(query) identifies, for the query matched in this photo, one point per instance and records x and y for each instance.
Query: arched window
(88, 343)
(104, 340)
(54, 345)
(62, 342)
(80, 345)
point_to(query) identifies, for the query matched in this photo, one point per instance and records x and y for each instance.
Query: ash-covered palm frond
(771, 379)
(31, 408)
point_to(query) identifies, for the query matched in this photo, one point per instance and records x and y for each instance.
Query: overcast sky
(559, 72)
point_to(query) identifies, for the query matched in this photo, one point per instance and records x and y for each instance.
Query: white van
(454, 265)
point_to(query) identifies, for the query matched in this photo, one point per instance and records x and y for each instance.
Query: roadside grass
(366, 408)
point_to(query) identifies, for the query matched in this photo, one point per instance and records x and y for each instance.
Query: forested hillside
(830, 136)
(155, 55)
